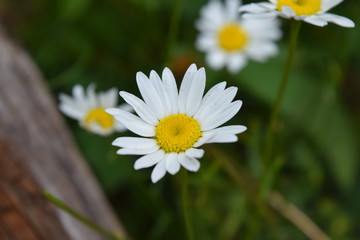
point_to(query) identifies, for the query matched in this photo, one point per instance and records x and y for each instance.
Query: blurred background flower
(88, 108)
(229, 41)
(313, 12)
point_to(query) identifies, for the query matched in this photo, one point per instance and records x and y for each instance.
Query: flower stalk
(270, 167)
(271, 129)
(102, 231)
(185, 205)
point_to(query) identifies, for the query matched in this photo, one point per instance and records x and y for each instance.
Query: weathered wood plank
(37, 153)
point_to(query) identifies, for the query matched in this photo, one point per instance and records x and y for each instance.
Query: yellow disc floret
(99, 116)
(301, 7)
(177, 133)
(232, 37)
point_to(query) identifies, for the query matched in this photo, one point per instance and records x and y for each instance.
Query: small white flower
(89, 109)
(173, 124)
(230, 41)
(310, 11)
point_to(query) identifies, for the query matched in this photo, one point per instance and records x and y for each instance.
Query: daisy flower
(230, 41)
(173, 123)
(89, 109)
(310, 11)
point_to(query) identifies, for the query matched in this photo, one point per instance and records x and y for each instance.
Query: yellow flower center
(232, 37)
(301, 7)
(99, 116)
(177, 133)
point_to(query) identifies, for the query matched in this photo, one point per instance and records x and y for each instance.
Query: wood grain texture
(37, 153)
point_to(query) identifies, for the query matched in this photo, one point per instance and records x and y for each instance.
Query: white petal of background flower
(236, 62)
(216, 59)
(326, 5)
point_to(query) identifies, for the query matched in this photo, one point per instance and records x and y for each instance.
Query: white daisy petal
(80, 99)
(236, 62)
(339, 20)
(205, 137)
(71, 111)
(196, 92)
(216, 59)
(190, 163)
(217, 104)
(316, 20)
(158, 172)
(328, 4)
(149, 160)
(140, 108)
(223, 138)
(172, 164)
(195, 153)
(96, 128)
(149, 94)
(132, 151)
(287, 12)
(132, 122)
(109, 98)
(163, 95)
(78, 92)
(92, 100)
(264, 16)
(206, 42)
(185, 87)
(233, 129)
(120, 127)
(210, 97)
(252, 8)
(171, 88)
(134, 142)
(217, 120)
(67, 100)
(261, 50)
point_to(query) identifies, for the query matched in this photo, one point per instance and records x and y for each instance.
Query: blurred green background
(108, 41)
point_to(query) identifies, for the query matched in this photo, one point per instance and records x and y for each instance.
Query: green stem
(174, 27)
(269, 138)
(185, 205)
(79, 217)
